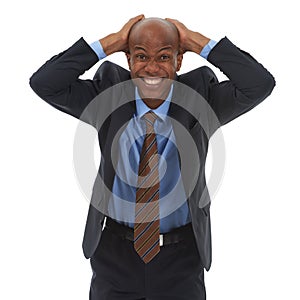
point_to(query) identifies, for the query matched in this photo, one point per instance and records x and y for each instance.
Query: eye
(141, 57)
(164, 57)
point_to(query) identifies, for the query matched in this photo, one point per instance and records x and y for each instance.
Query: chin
(153, 95)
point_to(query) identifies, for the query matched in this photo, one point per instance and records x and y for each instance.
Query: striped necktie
(146, 227)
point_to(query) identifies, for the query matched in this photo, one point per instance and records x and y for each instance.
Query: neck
(153, 103)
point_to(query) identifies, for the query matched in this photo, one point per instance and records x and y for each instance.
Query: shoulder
(112, 72)
(202, 74)
(200, 80)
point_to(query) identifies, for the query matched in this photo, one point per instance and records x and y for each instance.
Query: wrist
(197, 42)
(111, 43)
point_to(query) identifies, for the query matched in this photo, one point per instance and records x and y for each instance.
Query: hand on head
(188, 40)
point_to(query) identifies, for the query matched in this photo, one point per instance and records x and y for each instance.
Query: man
(143, 253)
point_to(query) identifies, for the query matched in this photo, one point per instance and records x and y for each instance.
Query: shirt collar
(161, 111)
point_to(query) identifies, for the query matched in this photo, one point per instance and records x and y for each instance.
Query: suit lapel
(119, 117)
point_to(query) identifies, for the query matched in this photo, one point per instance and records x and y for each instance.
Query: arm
(57, 81)
(249, 82)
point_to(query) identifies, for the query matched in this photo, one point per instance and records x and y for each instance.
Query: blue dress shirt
(174, 211)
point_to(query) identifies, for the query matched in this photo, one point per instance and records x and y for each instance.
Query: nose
(152, 67)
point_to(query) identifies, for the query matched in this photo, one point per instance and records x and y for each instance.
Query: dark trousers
(175, 273)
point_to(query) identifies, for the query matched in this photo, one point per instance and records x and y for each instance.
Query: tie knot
(150, 118)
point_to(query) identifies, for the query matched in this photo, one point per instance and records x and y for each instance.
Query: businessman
(148, 251)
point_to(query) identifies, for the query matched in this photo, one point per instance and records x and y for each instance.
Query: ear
(127, 53)
(179, 61)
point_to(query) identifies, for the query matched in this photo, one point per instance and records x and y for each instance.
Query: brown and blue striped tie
(146, 227)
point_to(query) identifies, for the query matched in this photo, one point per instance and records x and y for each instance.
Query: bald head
(155, 29)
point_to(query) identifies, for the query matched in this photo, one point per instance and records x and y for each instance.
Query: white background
(255, 215)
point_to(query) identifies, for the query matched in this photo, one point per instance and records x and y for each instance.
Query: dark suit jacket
(58, 83)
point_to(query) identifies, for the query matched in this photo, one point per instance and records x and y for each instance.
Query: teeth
(152, 81)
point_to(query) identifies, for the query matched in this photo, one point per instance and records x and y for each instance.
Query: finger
(172, 20)
(132, 21)
(138, 18)
(181, 51)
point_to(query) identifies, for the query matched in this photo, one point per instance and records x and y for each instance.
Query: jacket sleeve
(248, 85)
(57, 81)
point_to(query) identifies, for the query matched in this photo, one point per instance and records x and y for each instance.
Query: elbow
(39, 85)
(262, 89)
(35, 83)
(266, 87)
(269, 85)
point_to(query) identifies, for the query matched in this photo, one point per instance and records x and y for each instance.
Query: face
(153, 59)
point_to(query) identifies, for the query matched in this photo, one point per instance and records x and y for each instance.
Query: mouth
(153, 87)
(153, 81)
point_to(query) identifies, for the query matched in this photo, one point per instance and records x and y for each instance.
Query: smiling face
(153, 58)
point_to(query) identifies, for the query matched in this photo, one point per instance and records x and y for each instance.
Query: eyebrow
(139, 48)
(161, 49)
(165, 48)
